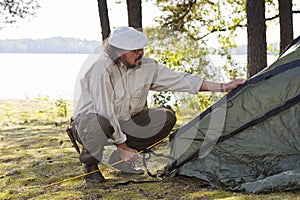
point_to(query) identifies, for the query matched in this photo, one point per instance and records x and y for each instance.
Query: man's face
(132, 58)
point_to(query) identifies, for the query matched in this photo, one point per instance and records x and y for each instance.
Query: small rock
(42, 163)
(12, 172)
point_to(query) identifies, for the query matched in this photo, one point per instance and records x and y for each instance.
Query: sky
(79, 19)
(72, 18)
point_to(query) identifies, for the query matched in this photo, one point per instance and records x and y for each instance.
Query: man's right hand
(127, 154)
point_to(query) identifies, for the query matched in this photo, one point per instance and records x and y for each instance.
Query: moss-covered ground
(35, 151)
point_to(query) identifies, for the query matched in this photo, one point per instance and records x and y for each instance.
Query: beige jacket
(117, 93)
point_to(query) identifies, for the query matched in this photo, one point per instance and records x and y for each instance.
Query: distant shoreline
(67, 45)
(53, 45)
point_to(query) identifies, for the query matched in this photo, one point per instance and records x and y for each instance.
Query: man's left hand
(233, 84)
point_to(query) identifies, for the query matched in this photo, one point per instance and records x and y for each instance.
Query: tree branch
(276, 16)
(181, 18)
(271, 18)
(220, 30)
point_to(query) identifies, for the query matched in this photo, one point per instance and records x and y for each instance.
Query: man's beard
(137, 62)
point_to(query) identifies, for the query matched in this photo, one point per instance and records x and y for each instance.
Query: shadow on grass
(9, 130)
(35, 153)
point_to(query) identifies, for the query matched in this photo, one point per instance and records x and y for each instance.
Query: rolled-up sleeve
(166, 79)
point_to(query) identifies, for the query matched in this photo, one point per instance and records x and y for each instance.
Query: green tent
(249, 140)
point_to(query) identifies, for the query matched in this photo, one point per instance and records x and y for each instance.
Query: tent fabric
(250, 139)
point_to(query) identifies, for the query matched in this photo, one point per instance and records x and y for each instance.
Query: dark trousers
(142, 130)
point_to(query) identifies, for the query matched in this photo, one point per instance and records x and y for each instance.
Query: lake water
(38, 75)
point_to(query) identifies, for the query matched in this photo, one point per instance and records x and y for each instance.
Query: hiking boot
(95, 177)
(125, 167)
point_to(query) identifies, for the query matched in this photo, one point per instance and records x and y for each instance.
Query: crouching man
(111, 108)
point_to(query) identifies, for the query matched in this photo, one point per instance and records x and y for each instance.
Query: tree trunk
(286, 23)
(104, 19)
(256, 30)
(134, 9)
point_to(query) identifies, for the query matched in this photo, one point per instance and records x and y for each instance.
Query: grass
(35, 152)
